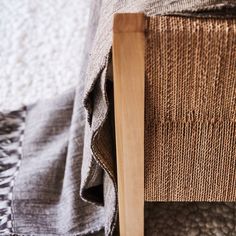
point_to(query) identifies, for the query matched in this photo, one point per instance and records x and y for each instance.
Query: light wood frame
(128, 69)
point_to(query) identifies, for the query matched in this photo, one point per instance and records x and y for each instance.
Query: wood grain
(128, 69)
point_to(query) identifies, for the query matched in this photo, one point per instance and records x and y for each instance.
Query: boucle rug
(190, 219)
(42, 45)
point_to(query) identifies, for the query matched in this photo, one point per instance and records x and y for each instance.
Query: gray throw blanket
(57, 159)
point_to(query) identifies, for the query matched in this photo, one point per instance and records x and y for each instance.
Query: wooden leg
(128, 68)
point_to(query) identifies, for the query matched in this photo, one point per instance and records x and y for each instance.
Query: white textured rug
(41, 48)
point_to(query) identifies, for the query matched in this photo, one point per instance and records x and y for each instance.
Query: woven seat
(190, 109)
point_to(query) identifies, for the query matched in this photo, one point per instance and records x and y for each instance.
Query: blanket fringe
(11, 137)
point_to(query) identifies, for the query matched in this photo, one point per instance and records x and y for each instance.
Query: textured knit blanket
(57, 159)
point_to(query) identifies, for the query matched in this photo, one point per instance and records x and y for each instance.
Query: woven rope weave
(190, 102)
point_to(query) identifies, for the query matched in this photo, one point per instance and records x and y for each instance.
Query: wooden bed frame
(128, 69)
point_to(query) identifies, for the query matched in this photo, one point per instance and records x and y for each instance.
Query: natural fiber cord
(190, 102)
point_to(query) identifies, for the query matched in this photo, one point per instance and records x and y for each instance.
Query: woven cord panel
(190, 109)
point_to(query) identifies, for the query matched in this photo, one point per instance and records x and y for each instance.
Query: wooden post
(128, 69)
